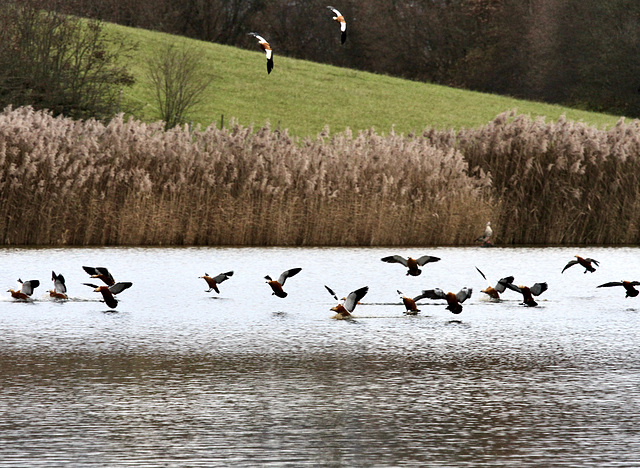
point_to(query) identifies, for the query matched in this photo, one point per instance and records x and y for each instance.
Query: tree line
(580, 53)
(54, 61)
(51, 59)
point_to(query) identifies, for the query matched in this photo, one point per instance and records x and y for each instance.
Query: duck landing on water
(108, 292)
(528, 292)
(349, 304)
(454, 301)
(409, 304)
(59, 290)
(25, 291)
(494, 291)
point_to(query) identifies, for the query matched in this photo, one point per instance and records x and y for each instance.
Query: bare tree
(58, 62)
(179, 81)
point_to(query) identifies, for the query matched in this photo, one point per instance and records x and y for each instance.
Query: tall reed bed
(130, 183)
(127, 182)
(558, 183)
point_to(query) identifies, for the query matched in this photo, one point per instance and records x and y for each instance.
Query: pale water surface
(176, 376)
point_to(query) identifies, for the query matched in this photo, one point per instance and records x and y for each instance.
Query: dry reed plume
(562, 182)
(130, 183)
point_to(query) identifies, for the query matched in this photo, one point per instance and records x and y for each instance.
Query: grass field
(304, 96)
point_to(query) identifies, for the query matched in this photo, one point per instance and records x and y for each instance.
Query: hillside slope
(305, 96)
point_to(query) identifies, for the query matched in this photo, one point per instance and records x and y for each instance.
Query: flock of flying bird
(264, 45)
(346, 306)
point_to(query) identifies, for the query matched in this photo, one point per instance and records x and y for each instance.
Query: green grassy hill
(305, 96)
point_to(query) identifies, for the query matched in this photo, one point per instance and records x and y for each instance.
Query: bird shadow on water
(349, 320)
(110, 312)
(456, 323)
(279, 314)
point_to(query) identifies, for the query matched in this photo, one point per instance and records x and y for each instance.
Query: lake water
(175, 376)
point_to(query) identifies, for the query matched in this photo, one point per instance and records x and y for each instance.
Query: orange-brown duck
(26, 289)
(276, 285)
(214, 281)
(454, 301)
(264, 45)
(344, 309)
(339, 18)
(411, 263)
(627, 285)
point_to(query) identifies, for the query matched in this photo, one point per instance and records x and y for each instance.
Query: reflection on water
(173, 377)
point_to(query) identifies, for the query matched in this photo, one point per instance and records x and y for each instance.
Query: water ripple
(181, 379)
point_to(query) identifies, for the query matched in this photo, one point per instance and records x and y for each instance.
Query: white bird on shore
(486, 235)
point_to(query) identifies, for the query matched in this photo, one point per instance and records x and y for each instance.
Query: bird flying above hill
(345, 308)
(454, 301)
(627, 285)
(585, 262)
(264, 45)
(213, 282)
(411, 263)
(341, 21)
(276, 286)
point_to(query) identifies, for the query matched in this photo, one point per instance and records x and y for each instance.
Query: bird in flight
(627, 285)
(100, 273)
(108, 292)
(276, 285)
(411, 263)
(213, 282)
(264, 45)
(341, 21)
(454, 301)
(587, 263)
